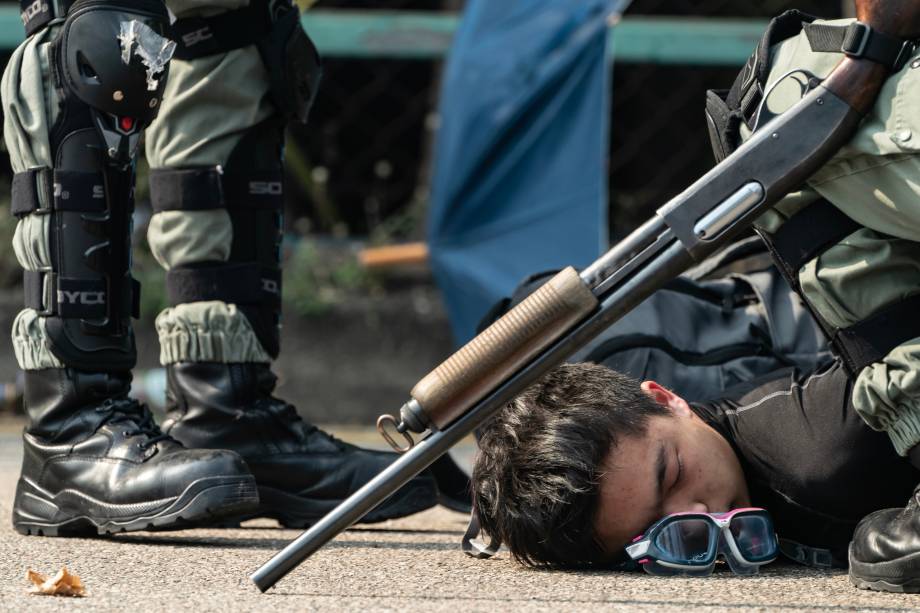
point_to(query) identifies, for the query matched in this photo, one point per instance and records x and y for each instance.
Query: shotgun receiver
(472, 385)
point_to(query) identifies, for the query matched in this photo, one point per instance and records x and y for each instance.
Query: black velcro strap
(50, 294)
(36, 14)
(860, 41)
(870, 340)
(811, 232)
(39, 190)
(200, 189)
(187, 189)
(241, 284)
(32, 190)
(33, 292)
(201, 36)
(75, 298)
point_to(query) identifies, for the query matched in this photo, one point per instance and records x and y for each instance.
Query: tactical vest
(820, 225)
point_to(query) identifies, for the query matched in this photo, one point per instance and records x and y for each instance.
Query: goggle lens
(688, 540)
(754, 536)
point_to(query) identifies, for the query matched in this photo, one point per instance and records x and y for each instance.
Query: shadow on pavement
(389, 530)
(229, 542)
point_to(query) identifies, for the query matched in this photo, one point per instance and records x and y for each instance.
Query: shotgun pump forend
(460, 381)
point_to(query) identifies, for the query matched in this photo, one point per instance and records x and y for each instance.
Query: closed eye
(678, 470)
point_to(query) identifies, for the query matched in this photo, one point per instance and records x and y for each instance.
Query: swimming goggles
(690, 543)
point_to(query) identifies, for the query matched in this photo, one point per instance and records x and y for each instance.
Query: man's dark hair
(535, 480)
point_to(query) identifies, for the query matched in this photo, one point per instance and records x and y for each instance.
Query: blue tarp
(520, 161)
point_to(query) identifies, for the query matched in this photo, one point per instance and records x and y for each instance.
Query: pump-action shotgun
(471, 386)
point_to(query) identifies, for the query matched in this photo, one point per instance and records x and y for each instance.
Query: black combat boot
(885, 551)
(302, 472)
(95, 462)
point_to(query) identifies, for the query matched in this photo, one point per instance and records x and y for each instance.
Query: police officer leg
(884, 554)
(216, 188)
(77, 95)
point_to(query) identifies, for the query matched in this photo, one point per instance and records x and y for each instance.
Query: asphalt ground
(414, 564)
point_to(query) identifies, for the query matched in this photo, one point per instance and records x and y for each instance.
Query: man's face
(679, 464)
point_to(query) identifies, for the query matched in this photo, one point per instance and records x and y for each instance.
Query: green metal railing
(426, 35)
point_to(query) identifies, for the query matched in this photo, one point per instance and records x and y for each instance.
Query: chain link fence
(360, 167)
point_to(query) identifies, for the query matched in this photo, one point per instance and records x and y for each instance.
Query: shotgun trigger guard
(382, 422)
(806, 81)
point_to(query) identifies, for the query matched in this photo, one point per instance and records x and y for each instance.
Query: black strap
(33, 291)
(859, 40)
(804, 237)
(189, 189)
(747, 91)
(815, 557)
(36, 14)
(41, 190)
(235, 283)
(200, 36)
(726, 109)
(32, 190)
(871, 339)
(471, 543)
(198, 189)
(70, 297)
(809, 233)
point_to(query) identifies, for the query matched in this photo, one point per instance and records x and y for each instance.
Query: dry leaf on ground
(61, 584)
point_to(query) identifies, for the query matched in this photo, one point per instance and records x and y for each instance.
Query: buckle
(860, 30)
(861, 41)
(907, 50)
(45, 188)
(39, 291)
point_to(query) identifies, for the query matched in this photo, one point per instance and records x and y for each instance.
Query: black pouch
(726, 109)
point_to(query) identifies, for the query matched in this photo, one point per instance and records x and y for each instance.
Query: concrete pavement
(412, 564)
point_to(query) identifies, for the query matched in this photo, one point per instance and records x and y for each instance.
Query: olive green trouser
(208, 104)
(875, 180)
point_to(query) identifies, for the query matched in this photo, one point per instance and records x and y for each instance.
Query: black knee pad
(109, 78)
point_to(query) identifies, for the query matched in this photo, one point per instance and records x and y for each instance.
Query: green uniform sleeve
(875, 180)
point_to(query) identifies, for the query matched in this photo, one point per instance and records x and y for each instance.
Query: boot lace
(287, 415)
(138, 415)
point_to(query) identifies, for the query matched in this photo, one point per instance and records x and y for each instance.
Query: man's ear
(667, 398)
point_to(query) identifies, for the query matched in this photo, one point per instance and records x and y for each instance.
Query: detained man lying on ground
(587, 459)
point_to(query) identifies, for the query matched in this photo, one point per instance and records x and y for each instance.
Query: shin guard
(108, 63)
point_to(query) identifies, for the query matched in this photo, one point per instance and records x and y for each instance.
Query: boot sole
(873, 576)
(293, 511)
(881, 585)
(202, 502)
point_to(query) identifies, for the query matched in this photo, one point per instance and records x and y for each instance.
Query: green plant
(317, 279)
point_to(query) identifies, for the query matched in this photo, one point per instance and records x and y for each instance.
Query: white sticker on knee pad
(154, 50)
